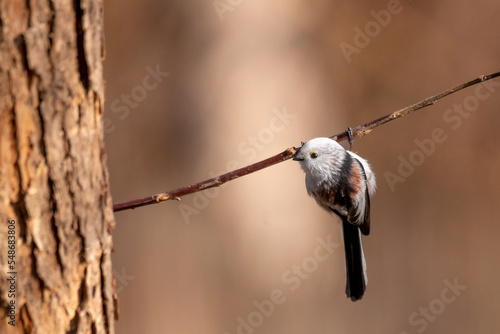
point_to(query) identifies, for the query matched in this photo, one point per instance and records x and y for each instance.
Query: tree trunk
(55, 203)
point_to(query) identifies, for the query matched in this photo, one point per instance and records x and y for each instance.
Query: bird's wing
(359, 212)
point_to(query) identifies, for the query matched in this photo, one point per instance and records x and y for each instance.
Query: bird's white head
(320, 156)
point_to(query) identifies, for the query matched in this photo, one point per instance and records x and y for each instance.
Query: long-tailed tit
(342, 182)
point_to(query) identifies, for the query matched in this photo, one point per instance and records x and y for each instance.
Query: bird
(342, 183)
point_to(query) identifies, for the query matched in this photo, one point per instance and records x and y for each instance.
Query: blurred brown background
(247, 80)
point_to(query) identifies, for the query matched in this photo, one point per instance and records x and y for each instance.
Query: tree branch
(357, 132)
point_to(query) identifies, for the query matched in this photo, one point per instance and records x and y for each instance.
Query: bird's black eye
(314, 155)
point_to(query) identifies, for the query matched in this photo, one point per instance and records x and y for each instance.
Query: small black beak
(296, 157)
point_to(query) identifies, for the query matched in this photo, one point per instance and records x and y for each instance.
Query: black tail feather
(354, 258)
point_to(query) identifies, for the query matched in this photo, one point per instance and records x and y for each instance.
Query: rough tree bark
(54, 186)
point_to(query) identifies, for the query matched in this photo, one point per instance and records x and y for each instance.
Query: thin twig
(358, 132)
(214, 182)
